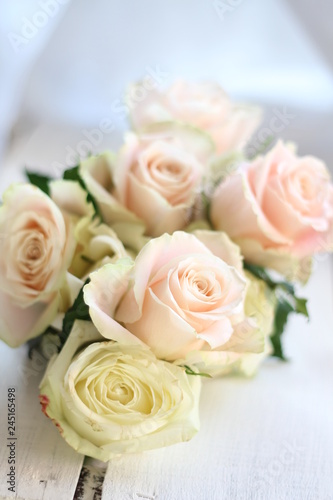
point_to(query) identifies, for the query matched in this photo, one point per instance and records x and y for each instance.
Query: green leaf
(282, 312)
(79, 310)
(301, 306)
(39, 180)
(73, 174)
(287, 302)
(261, 273)
(190, 371)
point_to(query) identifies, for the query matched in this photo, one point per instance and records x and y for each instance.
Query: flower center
(306, 188)
(168, 169)
(34, 250)
(120, 392)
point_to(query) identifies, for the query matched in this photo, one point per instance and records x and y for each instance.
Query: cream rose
(155, 178)
(36, 248)
(279, 210)
(96, 243)
(184, 293)
(108, 399)
(204, 105)
(97, 172)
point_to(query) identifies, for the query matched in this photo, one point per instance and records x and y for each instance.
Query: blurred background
(65, 65)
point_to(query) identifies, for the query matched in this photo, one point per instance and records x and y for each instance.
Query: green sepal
(190, 371)
(287, 303)
(39, 180)
(79, 310)
(282, 311)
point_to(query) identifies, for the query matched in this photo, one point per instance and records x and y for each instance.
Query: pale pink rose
(178, 297)
(204, 105)
(155, 178)
(244, 352)
(279, 209)
(36, 248)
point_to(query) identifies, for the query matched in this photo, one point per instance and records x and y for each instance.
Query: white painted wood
(46, 467)
(266, 438)
(270, 437)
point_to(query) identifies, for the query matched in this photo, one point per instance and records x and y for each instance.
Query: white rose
(96, 243)
(97, 173)
(108, 399)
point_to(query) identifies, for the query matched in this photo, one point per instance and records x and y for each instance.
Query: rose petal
(18, 324)
(166, 333)
(103, 294)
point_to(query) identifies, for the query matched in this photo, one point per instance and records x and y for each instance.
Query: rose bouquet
(175, 258)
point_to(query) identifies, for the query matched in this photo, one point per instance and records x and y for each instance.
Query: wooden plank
(91, 480)
(270, 437)
(46, 467)
(247, 426)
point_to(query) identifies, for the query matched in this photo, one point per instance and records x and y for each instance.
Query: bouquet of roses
(174, 259)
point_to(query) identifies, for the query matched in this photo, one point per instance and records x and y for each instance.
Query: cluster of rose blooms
(146, 267)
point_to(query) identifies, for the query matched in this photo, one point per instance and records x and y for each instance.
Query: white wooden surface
(266, 438)
(270, 438)
(46, 468)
